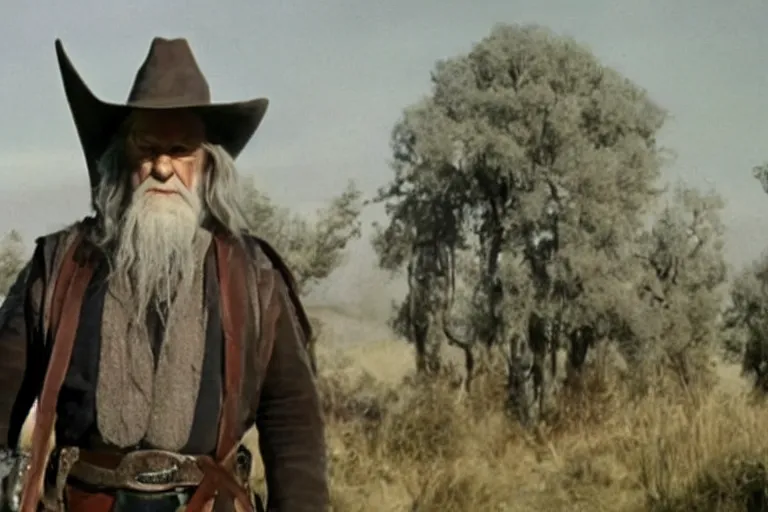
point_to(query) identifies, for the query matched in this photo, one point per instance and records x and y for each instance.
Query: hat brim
(230, 125)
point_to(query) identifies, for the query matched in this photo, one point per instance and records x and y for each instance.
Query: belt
(142, 471)
(152, 471)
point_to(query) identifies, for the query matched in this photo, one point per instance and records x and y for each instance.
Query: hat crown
(169, 76)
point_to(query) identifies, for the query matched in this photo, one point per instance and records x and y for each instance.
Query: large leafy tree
(681, 278)
(746, 321)
(746, 315)
(539, 162)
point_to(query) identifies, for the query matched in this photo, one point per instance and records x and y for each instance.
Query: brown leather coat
(279, 390)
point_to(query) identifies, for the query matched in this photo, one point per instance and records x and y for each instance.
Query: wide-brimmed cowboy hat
(169, 78)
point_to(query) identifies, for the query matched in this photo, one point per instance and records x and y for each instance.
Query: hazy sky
(338, 73)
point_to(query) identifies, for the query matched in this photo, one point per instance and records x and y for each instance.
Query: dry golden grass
(398, 446)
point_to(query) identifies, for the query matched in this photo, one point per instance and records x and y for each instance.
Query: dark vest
(76, 408)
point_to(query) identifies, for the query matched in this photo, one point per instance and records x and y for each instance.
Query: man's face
(164, 152)
(166, 161)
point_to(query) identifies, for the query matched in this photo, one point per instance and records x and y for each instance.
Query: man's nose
(162, 168)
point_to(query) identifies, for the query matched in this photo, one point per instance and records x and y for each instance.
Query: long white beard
(155, 254)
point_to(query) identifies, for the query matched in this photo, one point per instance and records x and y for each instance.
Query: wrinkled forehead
(165, 126)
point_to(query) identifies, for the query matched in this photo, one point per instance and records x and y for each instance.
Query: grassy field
(395, 449)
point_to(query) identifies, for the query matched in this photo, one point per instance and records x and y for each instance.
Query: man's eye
(144, 149)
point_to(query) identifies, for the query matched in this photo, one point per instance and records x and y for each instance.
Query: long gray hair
(222, 193)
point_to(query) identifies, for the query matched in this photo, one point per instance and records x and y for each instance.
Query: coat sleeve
(289, 418)
(21, 349)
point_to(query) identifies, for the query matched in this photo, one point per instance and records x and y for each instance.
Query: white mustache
(173, 184)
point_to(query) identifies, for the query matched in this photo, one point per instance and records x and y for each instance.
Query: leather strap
(68, 296)
(233, 307)
(230, 259)
(143, 471)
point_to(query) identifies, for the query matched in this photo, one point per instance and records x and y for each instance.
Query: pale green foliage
(525, 124)
(312, 249)
(682, 285)
(12, 259)
(746, 318)
(536, 166)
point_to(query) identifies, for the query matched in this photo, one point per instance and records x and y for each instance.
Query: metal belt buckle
(159, 477)
(155, 470)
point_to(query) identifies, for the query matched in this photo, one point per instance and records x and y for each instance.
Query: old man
(141, 343)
